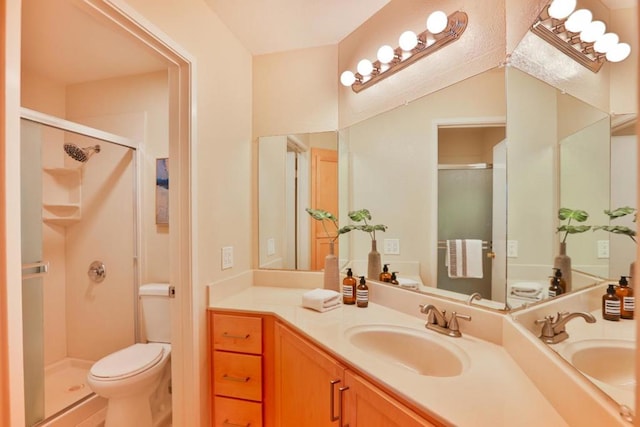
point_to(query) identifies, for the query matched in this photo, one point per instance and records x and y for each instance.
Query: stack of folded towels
(321, 299)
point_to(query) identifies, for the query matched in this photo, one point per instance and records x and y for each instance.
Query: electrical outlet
(227, 257)
(512, 249)
(603, 249)
(271, 246)
(392, 246)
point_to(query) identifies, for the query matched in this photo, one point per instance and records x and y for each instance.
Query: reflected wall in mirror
(296, 172)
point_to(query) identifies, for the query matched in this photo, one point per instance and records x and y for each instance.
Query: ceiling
(267, 26)
(64, 43)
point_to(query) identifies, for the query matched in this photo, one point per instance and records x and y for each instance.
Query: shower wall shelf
(61, 196)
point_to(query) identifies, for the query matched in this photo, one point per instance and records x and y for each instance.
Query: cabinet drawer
(237, 413)
(237, 375)
(237, 333)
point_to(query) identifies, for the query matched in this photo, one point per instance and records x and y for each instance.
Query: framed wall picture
(162, 191)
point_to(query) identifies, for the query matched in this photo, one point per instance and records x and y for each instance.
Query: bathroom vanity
(314, 367)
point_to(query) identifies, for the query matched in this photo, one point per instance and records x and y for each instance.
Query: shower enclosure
(79, 253)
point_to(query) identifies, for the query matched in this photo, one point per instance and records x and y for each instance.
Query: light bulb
(347, 78)
(593, 32)
(365, 67)
(605, 42)
(386, 54)
(618, 52)
(578, 20)
(560, 9)
(408, 40)
(437, 22)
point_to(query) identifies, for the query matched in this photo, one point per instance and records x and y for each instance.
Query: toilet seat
(128, 362)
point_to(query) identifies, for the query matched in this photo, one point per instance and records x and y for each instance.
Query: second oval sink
(608, 360)
(413, 350)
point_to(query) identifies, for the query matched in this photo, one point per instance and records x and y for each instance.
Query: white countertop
(492, 390)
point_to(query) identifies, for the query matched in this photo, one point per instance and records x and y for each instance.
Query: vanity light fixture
(578, 35)
(441, 30)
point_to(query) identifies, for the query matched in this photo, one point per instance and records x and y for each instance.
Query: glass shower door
(33, 268)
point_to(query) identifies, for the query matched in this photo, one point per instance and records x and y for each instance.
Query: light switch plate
(603, 249)
(391, 247)
(227, 257)
(271, 246)
(512, 249)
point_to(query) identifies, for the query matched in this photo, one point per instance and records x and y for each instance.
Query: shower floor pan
(65, 382)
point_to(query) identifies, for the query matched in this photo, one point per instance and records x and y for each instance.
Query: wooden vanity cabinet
(242, 369)
(313, 389)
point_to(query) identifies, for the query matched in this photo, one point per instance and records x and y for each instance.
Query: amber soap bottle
(627, 301)
(385, 276)
(362, 293)
(611, 304)
(349, 288)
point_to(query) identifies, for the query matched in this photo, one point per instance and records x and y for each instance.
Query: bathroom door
(33, 268)
(465, 199)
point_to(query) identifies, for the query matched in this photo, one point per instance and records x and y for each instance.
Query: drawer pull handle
(332, 411)
(341, 391)
(237, 337)
(226, 423)
(236, 379)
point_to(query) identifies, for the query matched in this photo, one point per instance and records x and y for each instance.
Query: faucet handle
(453, 322)
(547, 328)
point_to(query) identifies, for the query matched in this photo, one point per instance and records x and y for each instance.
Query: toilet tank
(156, 311)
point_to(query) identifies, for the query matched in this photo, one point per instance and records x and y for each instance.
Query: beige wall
(481, 47)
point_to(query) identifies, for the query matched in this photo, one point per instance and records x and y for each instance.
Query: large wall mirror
(535, 146)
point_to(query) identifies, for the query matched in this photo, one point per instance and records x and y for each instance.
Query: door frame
(185, 328)
(432, 168)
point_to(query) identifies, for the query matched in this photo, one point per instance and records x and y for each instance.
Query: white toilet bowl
(128, 378)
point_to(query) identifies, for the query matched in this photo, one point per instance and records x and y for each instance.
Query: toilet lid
(128, 361)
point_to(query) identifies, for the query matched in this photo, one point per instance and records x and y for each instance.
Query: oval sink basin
(607, 360)
(414, 350)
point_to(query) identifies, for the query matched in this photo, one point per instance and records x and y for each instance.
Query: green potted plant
(331, 271)
(364, 216)
(562, 261)
(621, 229)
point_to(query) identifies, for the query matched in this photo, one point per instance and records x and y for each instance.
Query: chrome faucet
(437, 320)
(474, 296)
(553, 329)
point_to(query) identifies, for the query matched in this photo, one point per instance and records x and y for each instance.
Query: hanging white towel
(321, 299)
(464, 258)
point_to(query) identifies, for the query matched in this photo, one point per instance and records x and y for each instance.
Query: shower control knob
(97, 271)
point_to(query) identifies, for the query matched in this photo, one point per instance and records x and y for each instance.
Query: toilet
(136, 379)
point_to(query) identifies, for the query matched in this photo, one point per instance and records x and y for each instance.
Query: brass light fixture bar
(587, 50)
(427, 43)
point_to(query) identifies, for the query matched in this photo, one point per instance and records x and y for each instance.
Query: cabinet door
(306, 379)
(368, 406)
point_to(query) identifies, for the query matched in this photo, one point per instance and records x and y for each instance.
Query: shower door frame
(79, 129)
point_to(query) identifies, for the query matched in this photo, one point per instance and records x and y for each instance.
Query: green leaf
(575, 214)
(360, 215)
(619, 212)
(574, 229)
(321, 214)
(346, 229)
(616, 229)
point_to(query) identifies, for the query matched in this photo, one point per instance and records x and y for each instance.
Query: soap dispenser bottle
(349, 288)
(555, 289)
(362, 293)
(385, 276)
(627, 301)
(561, 282)
(611, 304)
(394, 278)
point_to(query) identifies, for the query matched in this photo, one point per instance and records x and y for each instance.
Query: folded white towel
(321, 299)
(407, 283)
(464, 258)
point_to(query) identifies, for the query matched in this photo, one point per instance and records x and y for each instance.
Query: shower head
(80, 154)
